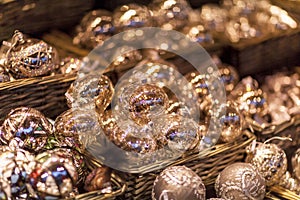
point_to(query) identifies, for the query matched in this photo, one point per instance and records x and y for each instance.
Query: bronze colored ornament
(70, 65)
(54, 177)
(178, 182)
(296, 164)
(232, 123)
(269, 159)
(199, 84)
(98, 179)
(15, 167)
(4, 76)
(27, 57)
(95, 27)
(170, 14)
(229, 76)
(26, 128)
(240, 181)
(131, 16)
(199, 34)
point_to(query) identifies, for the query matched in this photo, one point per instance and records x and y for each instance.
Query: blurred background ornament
(269, 159)
(54, 176)
(95, 27)
(70, 65)
(15, 167)
(240, 181)
(213, 17)
(29, 57)
(26, 128)
(198, 33)
(229, 76)
(131, 16)
(178, 182)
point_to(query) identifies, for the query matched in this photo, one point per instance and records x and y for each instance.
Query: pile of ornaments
(40, 160)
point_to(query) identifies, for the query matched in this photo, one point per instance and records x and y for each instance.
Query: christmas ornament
(98, 179)
(4, 76)
(296, 164)
(92, 88)
(199, 83)
(131, 16)
(70, 65)
(214, 17)
(269, 159)
(290, 183)
(240, 181)
(232, 123)
(229, 76)
(199, 34)
(26, 128)
(53, 177)
(95, 27)
(75, 129)
(15, 167)
(170, 14)
(178, 182)
(28, 57)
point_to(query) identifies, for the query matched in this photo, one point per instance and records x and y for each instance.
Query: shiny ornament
(70, 65)
(95, 27)
(75, 129)
(199, 83)
(240, 181)
(131, 16)
(54, 176)
(232, 123)
(214, 17)
(269, 159)
(92, 89)
(28, 57)
(98, 179)
(145, 101)
(170, 14)
(290, 183)
(229, 76)
(4, 76)
(178, 182)
(199, 34)
(127, 135)
(26, 128)
(296, 164)
(15, 167)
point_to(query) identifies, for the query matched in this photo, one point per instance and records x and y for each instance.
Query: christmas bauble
(178, 182)
(240, 181)
(53, 177)
(132, 16)
(296, 164)
(26, 128)
(15, 167)
(199, 34)
(95, 27)
(270, 161)
(229, 76)
(70, 65)
(4, 76)
(98, 179)
(30, 57)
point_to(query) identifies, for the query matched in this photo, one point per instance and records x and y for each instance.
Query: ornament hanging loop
(278, 138)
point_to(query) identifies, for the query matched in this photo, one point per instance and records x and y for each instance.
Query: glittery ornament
(269, 159)
(76, 129)
(240, 181)
(232, 123)
(178, 182)
(15, 167)
(4, 76)
(229, 76)
(199, 34)
(296, 164)
(199, 83)
(290, 183)
(92, 88)
(27, 57)
(54, 176)
(70, 65)
(98, 179)
(214, 17)
(170, 14)
(181, 133)
(145, 101)
(131, 16)
(26, 128)
(127, 135)
(95, 27)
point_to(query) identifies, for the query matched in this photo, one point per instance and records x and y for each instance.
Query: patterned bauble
(296, 164)
(75, 129)
(70, 65)
(178, 182)
(240, 181)
(4, 76)
(29, 57)
(170, 14)
(269, 159)
(232, 123)
(229, 76)
(95, 27)
(26, 128)
(53, 177)
(15, 167)
(98, 179)
(131, 16)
